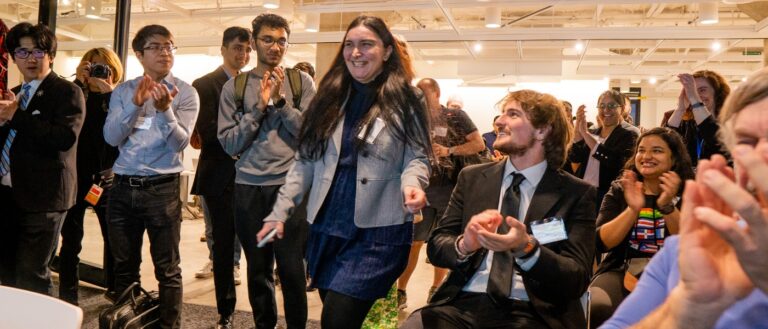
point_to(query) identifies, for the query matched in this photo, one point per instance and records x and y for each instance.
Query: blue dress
(359, 262)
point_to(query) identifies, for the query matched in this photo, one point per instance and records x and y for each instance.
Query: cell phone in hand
(267, 238)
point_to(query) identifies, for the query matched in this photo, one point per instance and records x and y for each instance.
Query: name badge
(440, 131)
(143, 123)
(94, 194)
(378, 125)
(549, 230)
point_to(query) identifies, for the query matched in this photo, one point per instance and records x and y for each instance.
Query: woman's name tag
(378, 125)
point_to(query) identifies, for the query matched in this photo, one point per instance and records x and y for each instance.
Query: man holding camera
(150, 120)
(262, 130)
(38, 140)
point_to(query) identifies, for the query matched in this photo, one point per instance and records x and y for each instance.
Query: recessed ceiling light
(652, 80)
(478, 47)
(716, 45)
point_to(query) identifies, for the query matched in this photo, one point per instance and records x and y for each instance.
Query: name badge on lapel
(143, 123)
(549, 230)
(378, 125)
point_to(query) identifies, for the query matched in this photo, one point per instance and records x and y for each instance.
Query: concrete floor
(194, 255)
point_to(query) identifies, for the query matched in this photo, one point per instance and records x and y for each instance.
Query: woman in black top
(637, 214)
(98, 74)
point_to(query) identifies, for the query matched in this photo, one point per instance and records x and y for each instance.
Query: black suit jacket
(43, 155)
(561, 274)
(613, 153)
(215, 169)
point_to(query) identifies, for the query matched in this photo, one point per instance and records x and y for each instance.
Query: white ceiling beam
(186, 13)
(598, 13)
(569, 33)
(519, 49)
(761, 25)
(583, 53)
(368, 6)
(647, 54)
(723, 49)
(655, 10)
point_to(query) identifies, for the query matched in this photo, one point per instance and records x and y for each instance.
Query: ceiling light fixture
(313, 22)
(708, 13)
(271, 4)
(93, 9)
(478, 47)
(579, 46)
(716, 45)
(652, 80)
(492, 17)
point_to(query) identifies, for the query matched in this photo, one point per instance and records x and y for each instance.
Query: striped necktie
(5, 155)
(502, 268)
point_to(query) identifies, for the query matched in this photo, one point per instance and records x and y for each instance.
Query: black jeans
(27, 243)
(223, 247)
(252, 204)
(72, 243)
(155, 208)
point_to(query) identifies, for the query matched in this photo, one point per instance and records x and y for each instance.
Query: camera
(101, 71)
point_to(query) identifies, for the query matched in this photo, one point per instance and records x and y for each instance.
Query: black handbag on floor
(134, 309)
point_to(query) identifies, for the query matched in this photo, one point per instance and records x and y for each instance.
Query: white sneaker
(236, 272)
(206, 271)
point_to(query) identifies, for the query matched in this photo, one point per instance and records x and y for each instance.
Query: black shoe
(225, 322)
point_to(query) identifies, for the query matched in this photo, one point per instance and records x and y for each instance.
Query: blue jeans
(138, 205)
(209, 233)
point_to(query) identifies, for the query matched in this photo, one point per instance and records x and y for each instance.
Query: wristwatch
(451, 150)
(280, 103)
(668, 208)
(697, 105)
(530, 248)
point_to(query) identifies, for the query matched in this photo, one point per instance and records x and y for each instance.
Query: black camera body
(101, 71)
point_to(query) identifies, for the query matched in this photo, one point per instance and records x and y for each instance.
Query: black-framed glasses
(610, 106)
(24, 53)
(171, 49)
(269, 41)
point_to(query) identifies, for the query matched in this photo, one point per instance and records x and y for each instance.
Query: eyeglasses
(24, 53)
(269, 41)
(611, 106)
(157, 49)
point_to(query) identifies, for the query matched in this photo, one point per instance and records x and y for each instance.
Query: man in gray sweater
(262, 130)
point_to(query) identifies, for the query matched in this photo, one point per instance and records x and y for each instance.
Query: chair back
(22, 309)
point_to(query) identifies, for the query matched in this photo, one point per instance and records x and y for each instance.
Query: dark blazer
(43, 155)
(215, 169)
(613, 153)
(561, 274)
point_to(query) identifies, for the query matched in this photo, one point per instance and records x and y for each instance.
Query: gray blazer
(384, 168)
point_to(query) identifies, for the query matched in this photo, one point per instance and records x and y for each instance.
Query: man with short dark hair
(150, 120)
(215, 175)
(518, 234)
(39, 126)
(261, 129)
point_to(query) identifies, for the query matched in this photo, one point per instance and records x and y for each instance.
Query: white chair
(21, 309)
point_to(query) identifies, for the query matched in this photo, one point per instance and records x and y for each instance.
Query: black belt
(145, 181)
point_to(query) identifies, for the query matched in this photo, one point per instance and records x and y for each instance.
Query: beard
(513, 149)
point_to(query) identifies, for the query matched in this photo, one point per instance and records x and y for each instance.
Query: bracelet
(462, 256)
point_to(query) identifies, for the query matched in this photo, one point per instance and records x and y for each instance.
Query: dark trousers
(252, 205)
(343, 312)
(27, 243)
(608, 292)
(223, 247)
(475, 310)
(71, 245)
(155, 208)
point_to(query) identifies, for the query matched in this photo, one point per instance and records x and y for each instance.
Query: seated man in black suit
(39, 126)
(509, 272)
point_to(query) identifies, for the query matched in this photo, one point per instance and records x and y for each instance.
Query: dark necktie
(502, 269)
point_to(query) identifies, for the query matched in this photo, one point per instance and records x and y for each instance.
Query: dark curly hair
(681, 161)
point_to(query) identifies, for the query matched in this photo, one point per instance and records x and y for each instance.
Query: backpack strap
(294, 78)
(241, 81)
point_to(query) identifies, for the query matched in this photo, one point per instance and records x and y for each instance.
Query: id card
(549, 230)
(440, 131)
(378, 125)
(143, 123)
(94, 194)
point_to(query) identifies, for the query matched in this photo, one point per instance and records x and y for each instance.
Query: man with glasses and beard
(261, 127)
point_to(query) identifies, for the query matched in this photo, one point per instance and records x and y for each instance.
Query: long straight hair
(397, 102)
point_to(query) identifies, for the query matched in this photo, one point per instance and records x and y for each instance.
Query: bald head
(431, 91)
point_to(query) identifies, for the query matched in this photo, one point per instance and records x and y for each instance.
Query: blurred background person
(695, 118)
(602, 152)
(100, 70)
(637, 214)
(306, 68)
(363, 168)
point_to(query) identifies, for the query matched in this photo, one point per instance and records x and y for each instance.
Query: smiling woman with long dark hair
(362, 165)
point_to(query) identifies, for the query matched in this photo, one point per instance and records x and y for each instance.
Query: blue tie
(5, 155)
